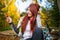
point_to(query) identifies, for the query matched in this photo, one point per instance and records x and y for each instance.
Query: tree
(7, 6)
(55, 14)
(13, 12)
(52, 13)
(58, 2)
(3, 24)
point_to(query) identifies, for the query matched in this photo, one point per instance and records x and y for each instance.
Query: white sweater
(28, 34)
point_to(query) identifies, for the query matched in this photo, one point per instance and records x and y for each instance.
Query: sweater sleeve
(16, 29)
(19, 26)
(38, 21)
(19, 23)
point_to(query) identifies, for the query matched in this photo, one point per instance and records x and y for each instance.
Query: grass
(5, 28)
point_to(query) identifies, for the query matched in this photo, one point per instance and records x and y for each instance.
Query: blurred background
(49, 12)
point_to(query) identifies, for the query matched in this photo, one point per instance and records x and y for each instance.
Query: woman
(30, 24)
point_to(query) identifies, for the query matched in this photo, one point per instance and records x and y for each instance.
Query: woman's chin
(29, 16)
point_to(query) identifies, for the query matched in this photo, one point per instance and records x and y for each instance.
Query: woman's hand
(9, 19)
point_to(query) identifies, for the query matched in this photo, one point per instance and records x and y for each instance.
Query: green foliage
(55, 14)
(52, 13)
(22, 14)
(3, 24)
(5, 28)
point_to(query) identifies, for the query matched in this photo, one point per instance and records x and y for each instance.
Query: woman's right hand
(9, 19)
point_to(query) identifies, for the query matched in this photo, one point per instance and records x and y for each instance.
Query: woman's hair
(34, 10)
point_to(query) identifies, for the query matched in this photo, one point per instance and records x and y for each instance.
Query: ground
(11, 35)
(8, 35)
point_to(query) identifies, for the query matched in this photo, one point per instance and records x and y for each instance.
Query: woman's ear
(38, 11)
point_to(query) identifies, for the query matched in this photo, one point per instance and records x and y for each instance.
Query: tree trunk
(58, 2)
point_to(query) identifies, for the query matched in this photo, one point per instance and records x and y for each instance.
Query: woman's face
(29, 13)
